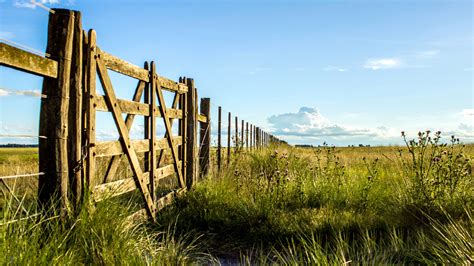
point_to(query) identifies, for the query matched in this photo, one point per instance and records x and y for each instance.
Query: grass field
(282, 205)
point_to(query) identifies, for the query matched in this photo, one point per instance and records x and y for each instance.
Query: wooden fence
(68, 147)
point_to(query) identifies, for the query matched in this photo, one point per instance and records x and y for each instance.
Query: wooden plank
(135, 108)
(205, 139)
(53, 150)
(122, 186)
(123, 67)
(174, 105)
(202, 118)
(13, 57)
(162, 107)
(114, 148)
(136, 217)
(169, 198)
(124, 134)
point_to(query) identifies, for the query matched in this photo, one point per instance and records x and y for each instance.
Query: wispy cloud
(259, 69)
(383, 63)
(335, 68)
(32, 93)
(6, 35)
(31, 4)
(427, 54)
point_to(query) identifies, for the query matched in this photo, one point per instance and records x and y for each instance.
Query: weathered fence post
(247, 135)
(236, 134)
(75, 113)
(152, 138)
(219, 145)
(242, 138)
(205, 138)
(53, 149)
(90, 112)
(191, 137)
(228, 137)
(182, 129)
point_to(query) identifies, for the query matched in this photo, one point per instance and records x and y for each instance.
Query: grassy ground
(377, 205)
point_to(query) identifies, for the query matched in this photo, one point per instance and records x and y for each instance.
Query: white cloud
(467, 113)
(31, 4)
(32, 93)
(335, 68)
(309, 125)
(382, 63)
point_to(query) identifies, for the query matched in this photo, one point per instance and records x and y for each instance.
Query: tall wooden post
(183, 129)
(236, 133)
(228, 137)
(205, 138)
(219, 144)
(153, 165)
(247, 135)
(242, 138)
(191, 138)
(75, 113)
(53, 150)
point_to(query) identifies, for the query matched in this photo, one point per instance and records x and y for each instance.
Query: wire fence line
(24, 47)
(21, 136)
(21, 175)
(41, 5)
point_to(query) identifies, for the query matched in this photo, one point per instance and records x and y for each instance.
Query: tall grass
(329, 206)
(281, 205)
(100, 235)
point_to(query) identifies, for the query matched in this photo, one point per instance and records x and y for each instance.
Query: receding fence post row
(64, 41)
(205, 138)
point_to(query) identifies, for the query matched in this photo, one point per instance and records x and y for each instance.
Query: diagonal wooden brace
(115, 161)
(124, 135)
(162, 107)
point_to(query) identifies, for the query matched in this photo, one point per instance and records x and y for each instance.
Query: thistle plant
(435, 169)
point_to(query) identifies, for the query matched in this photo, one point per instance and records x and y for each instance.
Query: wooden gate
(154, 107)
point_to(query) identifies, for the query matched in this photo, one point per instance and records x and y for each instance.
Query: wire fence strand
(21, 175)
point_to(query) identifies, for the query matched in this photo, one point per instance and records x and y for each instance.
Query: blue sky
(344, 72)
